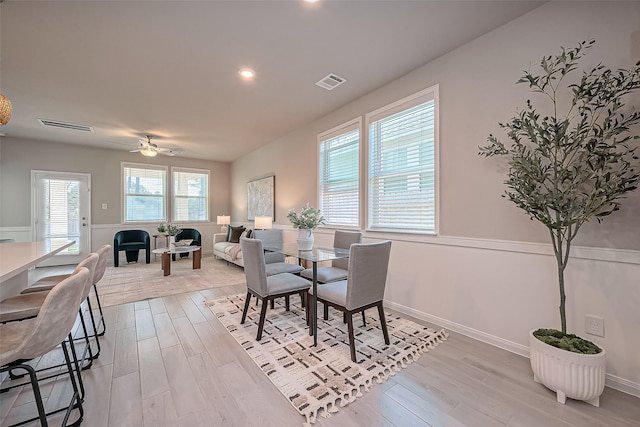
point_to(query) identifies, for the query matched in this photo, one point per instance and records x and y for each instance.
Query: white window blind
(339, 177)
(190, 195)
(144, 193)
(401, 180)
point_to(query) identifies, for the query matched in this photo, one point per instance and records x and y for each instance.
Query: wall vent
(63, 125)
(330, 81)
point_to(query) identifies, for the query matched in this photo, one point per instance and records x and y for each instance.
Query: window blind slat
(190, 196)
(144, 194)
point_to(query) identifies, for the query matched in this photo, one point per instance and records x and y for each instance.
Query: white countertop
(18, 257)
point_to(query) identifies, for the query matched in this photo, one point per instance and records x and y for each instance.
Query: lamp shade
(5, 110)
(263, 223)
(223, 220)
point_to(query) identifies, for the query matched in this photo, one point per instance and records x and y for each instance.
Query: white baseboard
(617, 383)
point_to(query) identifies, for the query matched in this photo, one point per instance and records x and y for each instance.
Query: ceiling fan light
(5, 110)
(148, 152)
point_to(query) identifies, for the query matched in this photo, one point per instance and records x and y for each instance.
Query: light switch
(104, 206)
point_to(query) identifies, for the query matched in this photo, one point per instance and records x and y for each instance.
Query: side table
(155, 243)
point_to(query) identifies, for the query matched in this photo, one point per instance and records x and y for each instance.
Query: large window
(339, 175)
(190, 195)
(145, 193)
(402, 165)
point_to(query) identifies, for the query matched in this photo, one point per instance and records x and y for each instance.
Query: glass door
(61, 212)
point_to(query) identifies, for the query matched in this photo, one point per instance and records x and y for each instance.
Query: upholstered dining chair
(338, 269)
(266, 288)
(274, 261)
(29, 339)
(188, 233)
(364, 287)
(131, 241)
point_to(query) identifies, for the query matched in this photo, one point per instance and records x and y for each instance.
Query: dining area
(349, 276)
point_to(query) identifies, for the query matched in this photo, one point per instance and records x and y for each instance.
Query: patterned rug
(319, 380)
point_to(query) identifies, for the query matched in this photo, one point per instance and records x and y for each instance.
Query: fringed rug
(319, 380)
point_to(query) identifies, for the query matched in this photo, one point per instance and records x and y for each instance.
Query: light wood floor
(169, 362)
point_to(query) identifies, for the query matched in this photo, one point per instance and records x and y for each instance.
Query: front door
(62, 212)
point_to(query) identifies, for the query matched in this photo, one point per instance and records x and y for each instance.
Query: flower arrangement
(308, 218)
(169, 229)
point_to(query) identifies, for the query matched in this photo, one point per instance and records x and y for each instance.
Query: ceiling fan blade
(136, 150)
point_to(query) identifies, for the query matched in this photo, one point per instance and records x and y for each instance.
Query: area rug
(319, 380)
(139, 281)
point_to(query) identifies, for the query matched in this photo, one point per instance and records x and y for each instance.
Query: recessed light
(310, 1)
(247, 73)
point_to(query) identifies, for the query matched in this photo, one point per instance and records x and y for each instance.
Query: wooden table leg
(197, 257)
(166, 263)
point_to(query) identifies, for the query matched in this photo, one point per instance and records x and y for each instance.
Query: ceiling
(170, 69)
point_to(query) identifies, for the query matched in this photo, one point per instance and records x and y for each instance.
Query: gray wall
(477, 91)
(19, 156)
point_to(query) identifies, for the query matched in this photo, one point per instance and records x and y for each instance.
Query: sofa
(227, 250)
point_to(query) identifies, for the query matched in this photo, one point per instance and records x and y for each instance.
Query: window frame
(206, 172)
(351, 125)
(425, 95)
(124, 194)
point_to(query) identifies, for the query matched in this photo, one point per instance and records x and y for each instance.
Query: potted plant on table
(170, 230)
(307, 220)
(571, 160)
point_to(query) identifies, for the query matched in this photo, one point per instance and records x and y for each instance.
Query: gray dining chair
(275, 262)
(338, 269)
(262, 286)
(364, 287)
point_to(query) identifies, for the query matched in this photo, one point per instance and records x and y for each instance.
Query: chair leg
(273, 303)
(286, 302)
(102, 321)
(383, 323)
(247, 300)
(87, 341)
(95, 328)
(364, 319)
(78, 395)
(263, 314)
(352, 344)
(326, 312)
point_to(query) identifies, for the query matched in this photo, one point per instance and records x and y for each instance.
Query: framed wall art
(261, 198)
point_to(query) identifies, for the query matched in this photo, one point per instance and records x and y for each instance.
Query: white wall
(490, 273)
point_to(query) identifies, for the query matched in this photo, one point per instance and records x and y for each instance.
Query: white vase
(305, 239)
(574, 375)
(172, 242)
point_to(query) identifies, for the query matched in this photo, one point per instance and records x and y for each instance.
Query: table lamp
(224, 221)
(263, 223)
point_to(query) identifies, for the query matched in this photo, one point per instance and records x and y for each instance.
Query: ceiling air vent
(330, 81)
(64, 125)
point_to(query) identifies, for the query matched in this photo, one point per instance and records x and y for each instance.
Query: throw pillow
(234, 237)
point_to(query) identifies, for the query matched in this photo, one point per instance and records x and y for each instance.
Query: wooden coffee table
(166, 256)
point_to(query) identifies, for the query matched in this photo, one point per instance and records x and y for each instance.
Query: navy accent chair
(131, 241)
(188, 233)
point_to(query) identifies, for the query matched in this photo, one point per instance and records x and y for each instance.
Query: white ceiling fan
(149, 149)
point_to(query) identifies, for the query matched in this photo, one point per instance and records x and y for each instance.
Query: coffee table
(166, 256)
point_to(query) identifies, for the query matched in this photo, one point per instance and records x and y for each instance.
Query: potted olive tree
(571, 159)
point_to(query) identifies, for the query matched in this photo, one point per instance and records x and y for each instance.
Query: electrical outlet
(104, 206)
(594, 325)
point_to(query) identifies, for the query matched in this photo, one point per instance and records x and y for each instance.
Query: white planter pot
(305, 239)
(172, 242)
(574, 375)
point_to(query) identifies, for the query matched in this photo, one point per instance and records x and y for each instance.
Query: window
(401, 164)
(339, 176)
(190, 195)
(144, 193)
